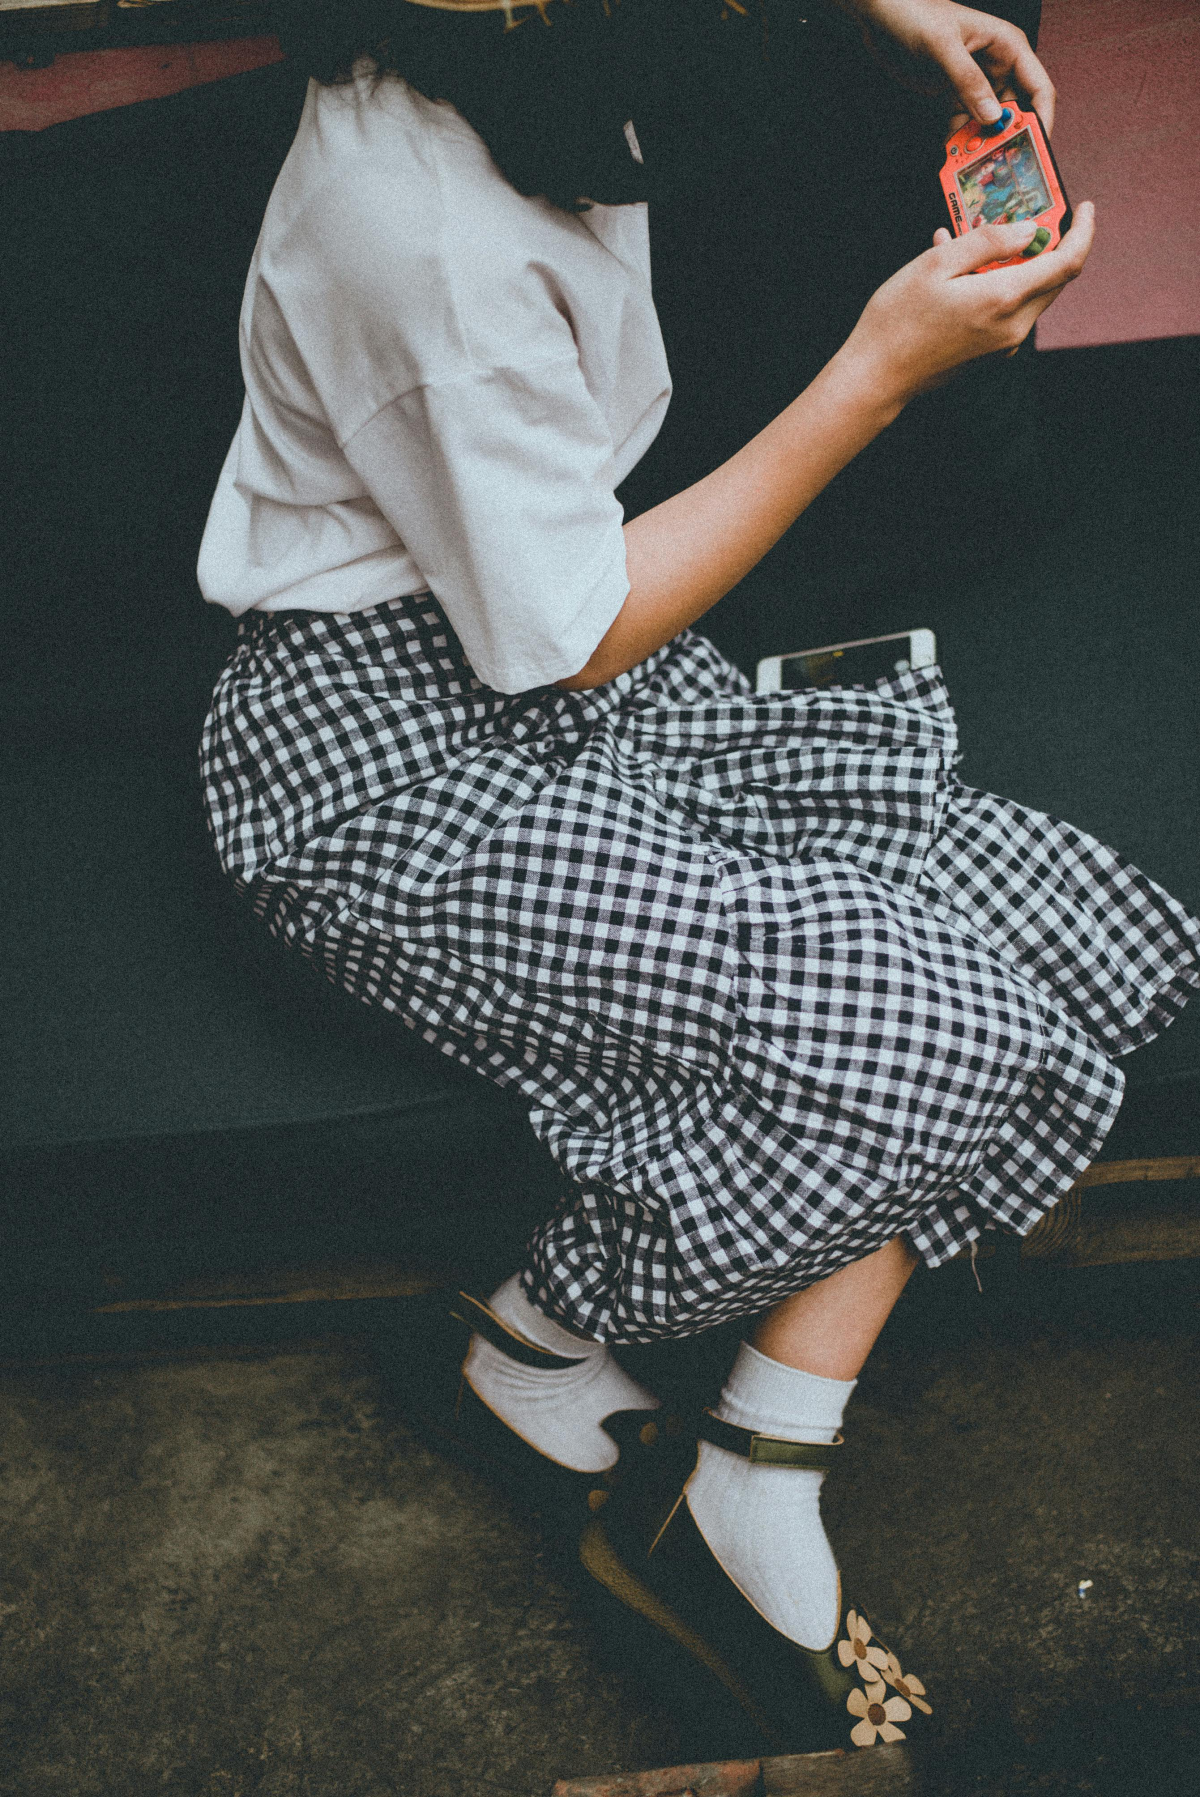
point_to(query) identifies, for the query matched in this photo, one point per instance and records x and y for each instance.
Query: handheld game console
(1001, 174)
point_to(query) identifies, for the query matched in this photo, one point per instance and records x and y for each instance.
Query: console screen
(1006, 185)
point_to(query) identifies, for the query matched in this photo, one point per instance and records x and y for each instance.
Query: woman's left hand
(973, 54)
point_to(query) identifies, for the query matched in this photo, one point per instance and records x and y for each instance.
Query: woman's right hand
(935, 313)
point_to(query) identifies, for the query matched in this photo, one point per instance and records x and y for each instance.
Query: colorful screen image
(1006, 185)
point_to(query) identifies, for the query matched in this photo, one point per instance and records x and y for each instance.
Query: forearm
(932, 316)
(694, 548)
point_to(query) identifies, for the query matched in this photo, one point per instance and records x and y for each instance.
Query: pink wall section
(1128, 137)
(86, 81)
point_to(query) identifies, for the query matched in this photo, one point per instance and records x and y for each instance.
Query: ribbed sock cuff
(764, 1394)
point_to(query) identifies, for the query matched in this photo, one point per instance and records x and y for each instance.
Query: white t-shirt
(444, 383)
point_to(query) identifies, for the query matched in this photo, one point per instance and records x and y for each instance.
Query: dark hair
(550, 95)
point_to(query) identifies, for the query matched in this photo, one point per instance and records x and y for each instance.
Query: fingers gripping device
(1002, 173)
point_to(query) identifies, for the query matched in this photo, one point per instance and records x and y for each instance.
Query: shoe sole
(603, 1563)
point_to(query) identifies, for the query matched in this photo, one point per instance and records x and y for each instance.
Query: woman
(790, 1006)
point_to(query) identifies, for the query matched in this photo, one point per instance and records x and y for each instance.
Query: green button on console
(1037, 242)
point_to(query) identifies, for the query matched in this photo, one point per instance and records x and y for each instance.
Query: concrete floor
(242, 1574)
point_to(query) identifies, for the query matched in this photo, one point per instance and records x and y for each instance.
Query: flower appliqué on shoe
(877, 1715)
(906, 1683)
(856, 1650)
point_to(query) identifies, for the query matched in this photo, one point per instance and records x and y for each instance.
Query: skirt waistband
(257, 626)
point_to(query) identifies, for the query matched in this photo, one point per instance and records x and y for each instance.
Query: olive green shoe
(849, 1694)
(452, 1419)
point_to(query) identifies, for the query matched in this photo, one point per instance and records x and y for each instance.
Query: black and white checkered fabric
(775, 986)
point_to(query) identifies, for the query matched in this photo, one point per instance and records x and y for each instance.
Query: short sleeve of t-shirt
(446, 381)
(499, 482)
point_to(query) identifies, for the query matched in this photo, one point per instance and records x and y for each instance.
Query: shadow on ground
(241, 1574)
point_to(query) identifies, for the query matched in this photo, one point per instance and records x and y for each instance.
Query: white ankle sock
(557, 1410)
(763, 1523)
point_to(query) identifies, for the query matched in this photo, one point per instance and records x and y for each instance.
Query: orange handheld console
(1001, 174)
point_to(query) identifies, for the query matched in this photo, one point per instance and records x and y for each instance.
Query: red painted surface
(86, 81)
(1128, 80)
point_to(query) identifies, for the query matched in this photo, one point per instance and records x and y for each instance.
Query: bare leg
(830, 1328)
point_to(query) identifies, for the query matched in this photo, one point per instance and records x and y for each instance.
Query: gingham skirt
(773, 984)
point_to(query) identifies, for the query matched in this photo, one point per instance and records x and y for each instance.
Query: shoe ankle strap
(768, 1450)
(482, 1319)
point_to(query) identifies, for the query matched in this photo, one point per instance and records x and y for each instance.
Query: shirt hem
(525, 677)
